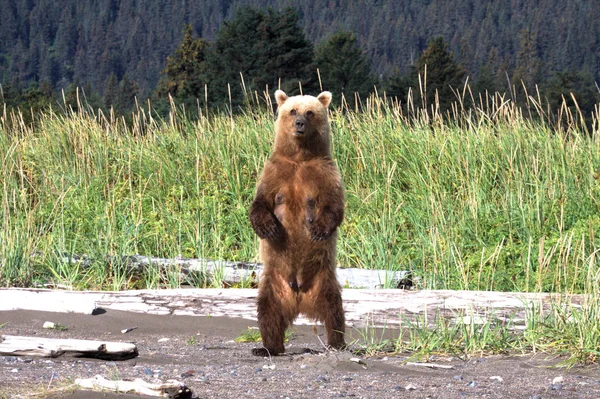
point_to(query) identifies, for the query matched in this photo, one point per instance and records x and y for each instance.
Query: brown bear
(298, 206)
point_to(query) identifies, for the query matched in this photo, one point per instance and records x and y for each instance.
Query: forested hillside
(85, 42)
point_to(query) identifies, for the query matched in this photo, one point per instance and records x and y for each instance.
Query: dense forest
(119, 49)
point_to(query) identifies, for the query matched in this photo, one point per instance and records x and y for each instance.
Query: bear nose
(300, 125)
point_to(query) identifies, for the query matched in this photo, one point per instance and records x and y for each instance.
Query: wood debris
(169, 389)
(13, 345)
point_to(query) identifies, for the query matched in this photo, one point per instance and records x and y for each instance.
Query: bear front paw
(266, 225)
(320, 233)
(268, 231)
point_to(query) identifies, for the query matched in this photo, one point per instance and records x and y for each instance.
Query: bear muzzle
(299, 126)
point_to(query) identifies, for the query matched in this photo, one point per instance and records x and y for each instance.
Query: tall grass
(489, 195)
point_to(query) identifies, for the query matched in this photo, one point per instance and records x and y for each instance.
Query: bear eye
(293, 112)
(309, 114)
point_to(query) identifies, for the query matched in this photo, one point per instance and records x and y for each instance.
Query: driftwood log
(237, 273)
(50, 347)
(168, 389)
(375, 308)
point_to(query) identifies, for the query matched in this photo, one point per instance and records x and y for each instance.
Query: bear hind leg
(272, 324)
(332, 315)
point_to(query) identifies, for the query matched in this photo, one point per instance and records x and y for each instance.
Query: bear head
(302, 126)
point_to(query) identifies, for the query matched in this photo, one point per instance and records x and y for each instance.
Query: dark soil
(201, 352)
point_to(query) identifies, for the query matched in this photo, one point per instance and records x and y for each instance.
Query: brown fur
(298, 207)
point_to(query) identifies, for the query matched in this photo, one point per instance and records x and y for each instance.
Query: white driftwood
(47, 301)
(50, 347)
(233, 273)
(170, 388)
(430, 365)
(363, 307)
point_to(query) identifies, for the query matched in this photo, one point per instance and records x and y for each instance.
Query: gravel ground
(200, 351)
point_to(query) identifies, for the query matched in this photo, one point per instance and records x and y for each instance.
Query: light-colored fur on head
(324, 98)
(316, 141)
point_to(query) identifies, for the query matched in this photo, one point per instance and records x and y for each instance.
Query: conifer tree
(343, 67)
(184, 75)
(443, 74)
(266, 48)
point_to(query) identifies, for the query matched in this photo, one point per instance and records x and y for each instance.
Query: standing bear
(298, 207)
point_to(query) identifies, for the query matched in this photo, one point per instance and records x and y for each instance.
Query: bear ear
(280, 96)
(324, 98)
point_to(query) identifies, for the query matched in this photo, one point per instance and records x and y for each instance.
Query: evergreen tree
(184, 76)
(111, 92)
(343, 67)
(443, 74)
(128, 90)
(528, 67)
(580, 85)
(266, 48)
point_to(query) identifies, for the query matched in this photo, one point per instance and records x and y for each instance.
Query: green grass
(481, 199)
(567, 330)
(253, 335)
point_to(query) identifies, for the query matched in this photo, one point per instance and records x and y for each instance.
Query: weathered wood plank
(170, 388)
(234, 273)
(363, 307)
(51, 347)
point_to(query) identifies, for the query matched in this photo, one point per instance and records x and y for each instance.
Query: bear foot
(264, 352)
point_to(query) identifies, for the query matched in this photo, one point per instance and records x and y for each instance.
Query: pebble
(322, 378)
(458, 377)
(410, 387)
(189, 373)
(348, 379)
(558, 380)
(472, 384)
(496, 378)
(398, 388)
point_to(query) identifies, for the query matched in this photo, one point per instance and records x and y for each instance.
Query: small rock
(458, 377)
(49, 325)
(348, 379)
(558, 380)
(268, 367)
(496, 378)
(398, 388)
(126, 330)
(303, 366)
(410, 387)
(472, 384)
(556, 387)
(164, 339)
(14, 370)
(357, 360)
(322, 378)
(189, 373)
(147, 371)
